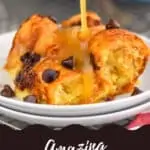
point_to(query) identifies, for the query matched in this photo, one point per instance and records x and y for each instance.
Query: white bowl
(89, 121)
(77, 110)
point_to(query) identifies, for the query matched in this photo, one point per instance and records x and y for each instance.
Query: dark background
(12, 12)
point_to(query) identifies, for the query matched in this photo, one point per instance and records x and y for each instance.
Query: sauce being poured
(87, 73)
(74, 42)
(83, 15)
(87, 68)
(85, 32)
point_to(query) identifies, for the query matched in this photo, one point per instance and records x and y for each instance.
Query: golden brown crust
(34, 34)
(122, 57)
(57, 92)
(119, 57)
(46, 91)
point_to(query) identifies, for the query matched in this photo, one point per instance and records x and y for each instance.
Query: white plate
(86, 120)
(78, 110)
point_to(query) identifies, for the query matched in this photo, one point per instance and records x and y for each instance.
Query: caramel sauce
(74, 42)
(70, 45)
(87, 70)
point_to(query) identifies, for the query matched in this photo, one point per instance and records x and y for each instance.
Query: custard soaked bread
(121, 57)
(35, 36)
(54, 65)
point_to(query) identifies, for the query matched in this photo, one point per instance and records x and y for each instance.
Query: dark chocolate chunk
(35, 58)
(27, 68)
(25, 79)
(112, 24)
(136, 91)
(95, 66)
(25, 56)
(50, 75)
(30, 59)
(7, 91)
(30, 98)
(68, 63)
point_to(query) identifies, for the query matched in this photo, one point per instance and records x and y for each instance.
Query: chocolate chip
(27, 68)
(30, 59)
(136, 91)
(35, 58)
(7, 91)
(112, 24)
(30, 98)
(50, 75)
(25, 56)
(25, 79)
(68, 63)
(95, 66)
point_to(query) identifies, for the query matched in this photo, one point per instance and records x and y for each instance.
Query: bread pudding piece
(35, 35)
(55, 66)
(57, 77)
(119, 58)
(60, 84)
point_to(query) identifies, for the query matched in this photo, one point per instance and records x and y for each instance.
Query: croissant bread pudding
(51, 63)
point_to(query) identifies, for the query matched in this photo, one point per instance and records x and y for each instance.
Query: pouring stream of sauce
(74, 42)
(87, 68)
